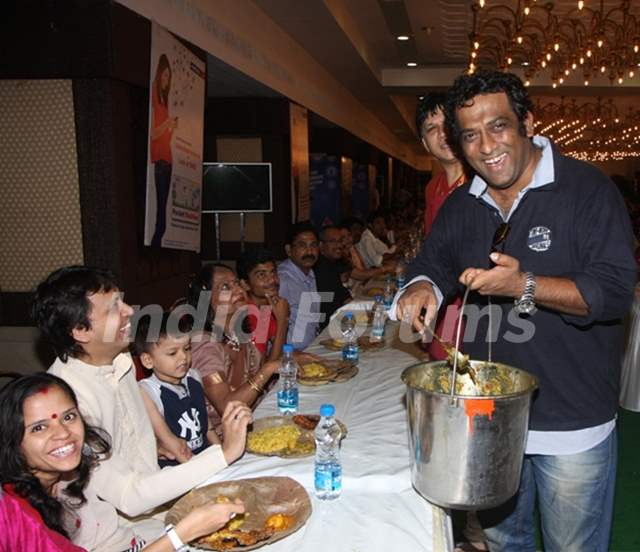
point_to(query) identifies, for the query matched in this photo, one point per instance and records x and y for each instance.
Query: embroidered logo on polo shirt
(539, 239)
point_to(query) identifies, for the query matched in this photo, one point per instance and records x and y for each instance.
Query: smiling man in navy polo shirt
(565, 274)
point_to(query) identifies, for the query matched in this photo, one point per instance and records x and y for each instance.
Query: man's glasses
(499, 239)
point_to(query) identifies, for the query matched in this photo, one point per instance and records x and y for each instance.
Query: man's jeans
(575, 497)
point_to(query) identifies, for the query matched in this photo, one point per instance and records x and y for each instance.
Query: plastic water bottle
(400, 279)
(379, 319)
(388, 293)
(328, 470)
(288, 383)
(350, 349)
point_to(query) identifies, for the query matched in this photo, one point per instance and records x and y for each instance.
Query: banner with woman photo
(176, 123)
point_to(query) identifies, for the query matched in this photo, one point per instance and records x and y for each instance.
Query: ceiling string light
(591, 131)
(594, 43)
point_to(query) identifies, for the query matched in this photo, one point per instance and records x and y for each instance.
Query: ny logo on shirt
(189, 423)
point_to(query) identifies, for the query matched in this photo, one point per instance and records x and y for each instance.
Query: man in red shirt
(431, 129)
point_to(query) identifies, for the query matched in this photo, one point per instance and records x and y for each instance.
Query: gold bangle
(254, 385)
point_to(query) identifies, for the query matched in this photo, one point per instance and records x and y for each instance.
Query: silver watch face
(525, 307)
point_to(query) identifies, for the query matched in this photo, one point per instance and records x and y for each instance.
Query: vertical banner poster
(176, 123)
(346, 174)
(360, 191)
(374, 197)
(324, 174)
(299, 132)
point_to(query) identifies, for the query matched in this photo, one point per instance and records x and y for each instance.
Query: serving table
(379, 510)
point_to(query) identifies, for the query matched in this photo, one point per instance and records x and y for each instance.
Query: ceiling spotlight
(402, 37)
(412, 64)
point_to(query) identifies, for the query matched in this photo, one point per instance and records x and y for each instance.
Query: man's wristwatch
(526, 304)
(177, 543)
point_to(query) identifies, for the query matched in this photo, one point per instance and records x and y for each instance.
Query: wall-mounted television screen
(236, 188)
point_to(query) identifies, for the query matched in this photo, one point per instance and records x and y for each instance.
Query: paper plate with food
(275, 507)
(331, 371)
(345, 371)
(363, 343)
(316, 373)
(284, 436)
(279, 436)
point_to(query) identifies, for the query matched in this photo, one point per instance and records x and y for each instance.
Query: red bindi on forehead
(54, 416)
(44, 390)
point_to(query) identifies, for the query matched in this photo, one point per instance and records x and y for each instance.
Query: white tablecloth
(379, 510)
(630, 377)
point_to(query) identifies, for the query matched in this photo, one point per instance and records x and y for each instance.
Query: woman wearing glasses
(230, 364)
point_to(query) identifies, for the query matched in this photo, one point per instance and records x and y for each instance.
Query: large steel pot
(467, 451)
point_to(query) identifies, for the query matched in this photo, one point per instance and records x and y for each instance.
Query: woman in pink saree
(46, 461)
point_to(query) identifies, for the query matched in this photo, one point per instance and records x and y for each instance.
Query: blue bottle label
(350, 353)
(288, 400)
(328, 477)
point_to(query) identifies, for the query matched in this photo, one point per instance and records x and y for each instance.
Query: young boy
(173, 395)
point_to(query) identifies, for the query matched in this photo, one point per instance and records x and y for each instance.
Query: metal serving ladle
(460, 362)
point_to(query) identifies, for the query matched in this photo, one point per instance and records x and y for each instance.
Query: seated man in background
(372, 245)
(81, 313)
(350, 254)
(298, 284)
(331, 272)
(259, 276)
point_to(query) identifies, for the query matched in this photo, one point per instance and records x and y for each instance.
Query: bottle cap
(327, 410)
(378, 298)
(287, 348)
(348, 314)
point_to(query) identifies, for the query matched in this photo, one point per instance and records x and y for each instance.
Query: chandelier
(591, 131)
(593, 43)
